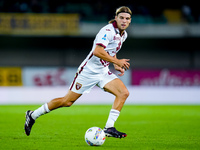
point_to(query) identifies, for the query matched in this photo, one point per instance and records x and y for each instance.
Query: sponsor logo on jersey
(117, 38)
(104, 37)
(78, 86)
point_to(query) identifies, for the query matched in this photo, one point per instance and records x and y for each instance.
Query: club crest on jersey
(104, 38)
(78, 86)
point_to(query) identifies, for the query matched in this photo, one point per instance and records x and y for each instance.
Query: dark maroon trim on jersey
(90, 56)
(80, 72)
(115, 24)
(82, 67)
(73, 81)
(85, 63)
(100, 44)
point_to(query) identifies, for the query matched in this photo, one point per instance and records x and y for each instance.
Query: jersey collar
(116, 28)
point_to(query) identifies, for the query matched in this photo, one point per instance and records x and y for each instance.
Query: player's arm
(101, 53)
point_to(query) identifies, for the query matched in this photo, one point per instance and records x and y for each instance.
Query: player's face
(123, 20)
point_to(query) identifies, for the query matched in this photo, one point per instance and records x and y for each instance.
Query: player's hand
(120, 70)
(124, 64)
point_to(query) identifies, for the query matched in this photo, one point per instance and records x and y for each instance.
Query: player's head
(122, 17)
(123, 9)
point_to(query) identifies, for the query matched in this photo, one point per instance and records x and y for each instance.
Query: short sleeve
(103, 37)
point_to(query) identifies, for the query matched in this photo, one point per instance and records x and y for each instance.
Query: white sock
(114, 114)
(40, 111)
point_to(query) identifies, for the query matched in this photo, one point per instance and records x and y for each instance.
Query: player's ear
(115, 17)
(130, 21)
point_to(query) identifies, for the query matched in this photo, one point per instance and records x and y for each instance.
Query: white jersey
(109, 37)
(93, 70)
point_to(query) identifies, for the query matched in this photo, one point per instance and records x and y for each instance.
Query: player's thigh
(117, 88)
(72, 95)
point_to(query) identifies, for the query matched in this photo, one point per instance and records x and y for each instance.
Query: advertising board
(10, 76)
(57, 76)
(39, 24)
(166, 77)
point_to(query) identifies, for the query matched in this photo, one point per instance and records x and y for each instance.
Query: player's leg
(65, 101)
(117, 88)
(81, 83)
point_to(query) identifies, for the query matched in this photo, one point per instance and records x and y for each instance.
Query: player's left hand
(120, 70)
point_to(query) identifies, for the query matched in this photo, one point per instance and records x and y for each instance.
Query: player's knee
(125, 94)
(66, 103)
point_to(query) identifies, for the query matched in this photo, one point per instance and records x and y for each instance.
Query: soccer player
(94, 70)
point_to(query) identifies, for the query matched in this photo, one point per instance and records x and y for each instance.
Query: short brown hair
(122, 9)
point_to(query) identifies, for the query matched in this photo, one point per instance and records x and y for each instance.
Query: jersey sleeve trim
(101, 45)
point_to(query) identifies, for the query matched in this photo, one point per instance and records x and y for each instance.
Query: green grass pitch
(147, 127)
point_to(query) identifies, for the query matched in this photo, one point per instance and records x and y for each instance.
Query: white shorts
(85, 81)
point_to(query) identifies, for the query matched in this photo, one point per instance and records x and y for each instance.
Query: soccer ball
(95, 136)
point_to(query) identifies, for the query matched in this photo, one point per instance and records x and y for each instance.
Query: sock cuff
(46, 108)
(114, 111)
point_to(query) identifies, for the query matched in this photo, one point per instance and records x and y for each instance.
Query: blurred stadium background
(42, 42)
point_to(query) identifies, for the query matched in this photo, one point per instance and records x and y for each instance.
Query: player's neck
(121, 32)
